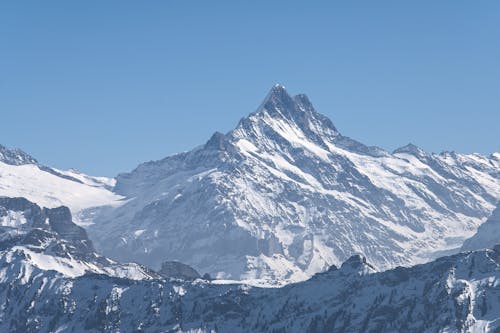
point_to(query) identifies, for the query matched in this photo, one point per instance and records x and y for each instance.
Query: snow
(453, 294)
(139, 232)
(88, 180)
(246, 146)
(293, 134)
(49, 190)
(67, 267)
(13, 219)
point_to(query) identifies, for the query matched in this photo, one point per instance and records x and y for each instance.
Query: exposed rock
(177, 270)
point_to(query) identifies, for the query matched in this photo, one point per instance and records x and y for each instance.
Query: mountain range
(279, 198)
(282, 224)
(51, 280)
(285, 195)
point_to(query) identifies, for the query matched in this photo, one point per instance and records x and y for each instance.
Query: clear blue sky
(104, 85)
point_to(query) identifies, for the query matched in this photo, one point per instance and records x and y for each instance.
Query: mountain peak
(298, 109)
(357, 264)
(277, 101)
(303, 102)
(410, 149)
(217, 141)
(283, 118)
(279, 96)
(15, 156)
(279, 87)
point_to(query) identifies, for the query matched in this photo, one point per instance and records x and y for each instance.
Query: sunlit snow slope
(35, 239)
(487, 235)
(22, 176)
(284, 195)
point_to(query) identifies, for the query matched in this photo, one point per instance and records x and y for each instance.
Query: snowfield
(75, 190)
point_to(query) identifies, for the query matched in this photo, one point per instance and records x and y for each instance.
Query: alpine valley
(282, 224)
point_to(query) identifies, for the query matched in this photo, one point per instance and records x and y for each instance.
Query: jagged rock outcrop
(15, 156)
(178, 270)
(47, 239)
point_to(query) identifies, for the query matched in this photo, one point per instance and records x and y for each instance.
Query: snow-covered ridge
(285, 195)
(22, 176)
(33, 240)
(487, 235)
(21, 264)
(15, 156)
(453, 294)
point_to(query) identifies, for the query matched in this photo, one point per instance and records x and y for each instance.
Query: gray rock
(177, 270)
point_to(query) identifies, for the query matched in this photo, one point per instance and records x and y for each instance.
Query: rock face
(47, 239)
(26, 223)
(459, 293)
(15, 156)
(178, 270)
(488, 234)
(285, 195)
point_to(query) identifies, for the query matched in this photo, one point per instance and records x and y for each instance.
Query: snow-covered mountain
(34, 239)
(51, 280)
(284, 195)
(278, 199)
(22, 176)
(487, 235)
(459, 293)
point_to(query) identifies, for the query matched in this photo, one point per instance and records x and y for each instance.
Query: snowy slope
(487, 235)
(33, 239)
(22, 176)
(453, 294)
(284, 195)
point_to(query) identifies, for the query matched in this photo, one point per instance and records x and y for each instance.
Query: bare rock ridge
(178, 270)
(15, 156)
(33, 224)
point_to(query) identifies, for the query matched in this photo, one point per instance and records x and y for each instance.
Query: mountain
(23, 176)
(487, 235)
(458, 293)
(15, 157)
(34, 240)
(285, 195)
